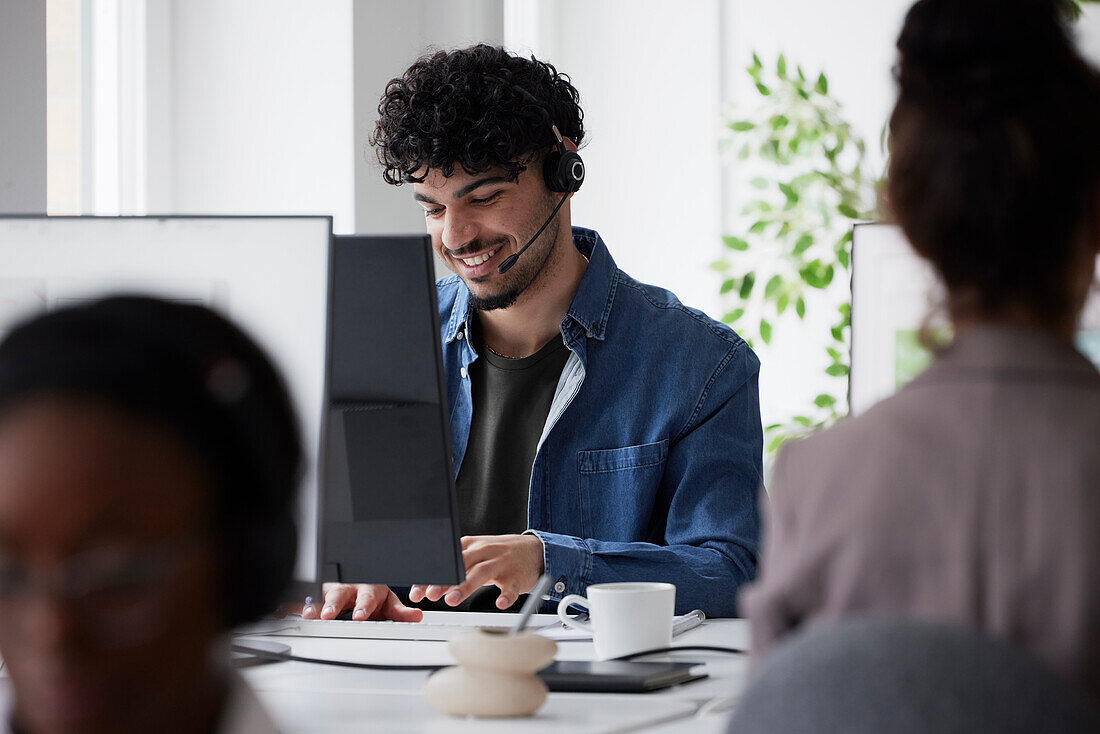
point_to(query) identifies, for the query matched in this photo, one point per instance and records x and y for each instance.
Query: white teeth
(473, 262)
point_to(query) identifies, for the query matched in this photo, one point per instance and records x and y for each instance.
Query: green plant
(1075, 7)
(793, 238)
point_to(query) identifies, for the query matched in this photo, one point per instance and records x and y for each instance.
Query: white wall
(1088, 33)
(23, 106)
(261, 117)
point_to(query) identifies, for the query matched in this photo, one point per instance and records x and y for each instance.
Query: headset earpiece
(563, 169)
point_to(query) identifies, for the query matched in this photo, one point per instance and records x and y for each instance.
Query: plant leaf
(837, 370)
(747, 284)
(800, 307)
(733, 315)
(758, 227)
(824, 400)
(773, 286)
(781, 67)
(735, 243)
(760, 87)
(728, 285)
(742, 125)
(765, 331)
(804, 243)
(720, 266)
(759, 183)
(822, 85)
(848, 210)
(789, 192)
(782, 303)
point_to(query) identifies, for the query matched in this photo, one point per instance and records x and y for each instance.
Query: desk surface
(304, 697)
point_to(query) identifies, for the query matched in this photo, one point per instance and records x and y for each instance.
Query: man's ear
(569, 144)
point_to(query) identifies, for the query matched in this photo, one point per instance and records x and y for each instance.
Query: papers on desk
(561, 633)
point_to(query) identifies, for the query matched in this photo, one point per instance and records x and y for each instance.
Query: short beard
(526, 272)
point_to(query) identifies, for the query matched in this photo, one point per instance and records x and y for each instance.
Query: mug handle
(568, 621)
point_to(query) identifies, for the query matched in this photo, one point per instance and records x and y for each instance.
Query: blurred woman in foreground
(148, 462)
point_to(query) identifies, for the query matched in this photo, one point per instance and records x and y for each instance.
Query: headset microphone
(563, 170)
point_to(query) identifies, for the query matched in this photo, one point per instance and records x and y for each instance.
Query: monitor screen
(269, 275)
(389, 505)
(894, 294)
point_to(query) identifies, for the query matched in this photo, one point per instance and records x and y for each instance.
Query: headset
(562, 171)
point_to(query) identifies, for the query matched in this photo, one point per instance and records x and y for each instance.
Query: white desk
(303, 697)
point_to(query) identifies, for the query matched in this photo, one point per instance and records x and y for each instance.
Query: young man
(602, 430)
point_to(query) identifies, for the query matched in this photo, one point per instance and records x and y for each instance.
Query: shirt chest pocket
(618, 490)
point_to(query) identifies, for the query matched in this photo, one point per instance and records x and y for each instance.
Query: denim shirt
(649, 464)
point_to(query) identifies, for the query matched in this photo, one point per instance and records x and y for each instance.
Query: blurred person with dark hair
(602, 430)
(149, 458)
(972, 496)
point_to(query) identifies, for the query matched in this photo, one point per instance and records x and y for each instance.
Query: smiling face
(478, 221)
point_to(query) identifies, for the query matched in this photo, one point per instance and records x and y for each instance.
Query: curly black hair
(478, 108)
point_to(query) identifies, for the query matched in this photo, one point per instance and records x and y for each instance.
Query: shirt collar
(591, 304)
(1007, 350)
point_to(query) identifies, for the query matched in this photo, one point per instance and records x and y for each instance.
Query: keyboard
(437, 626)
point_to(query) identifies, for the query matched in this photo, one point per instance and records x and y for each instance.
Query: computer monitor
(894, 291)
(270, 275)
(389, 501)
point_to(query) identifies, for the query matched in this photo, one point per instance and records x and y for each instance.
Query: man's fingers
(338, 597)
(416, 593)
(393, 609)
(368, 599)
(476, 577)
(435, 593)
(478, 553)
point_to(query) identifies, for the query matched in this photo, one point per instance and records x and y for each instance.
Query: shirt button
(589, 334)
(462, 371)
(559, 587)
(460, 336)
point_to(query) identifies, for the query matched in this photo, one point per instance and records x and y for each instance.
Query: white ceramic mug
(626, 617)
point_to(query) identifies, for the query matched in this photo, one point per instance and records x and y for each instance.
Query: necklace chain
(505, 356)
(502, 356)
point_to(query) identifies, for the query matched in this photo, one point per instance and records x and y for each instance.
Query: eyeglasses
(112, 587)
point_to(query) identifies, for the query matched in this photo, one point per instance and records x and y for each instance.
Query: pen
(689, 621)
(532, 603)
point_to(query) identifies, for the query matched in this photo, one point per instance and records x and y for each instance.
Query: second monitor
(389, 503)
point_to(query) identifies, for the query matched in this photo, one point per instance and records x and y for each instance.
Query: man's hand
(366, 601)
(513, 563)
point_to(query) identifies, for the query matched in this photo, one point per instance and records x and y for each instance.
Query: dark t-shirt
(511, 399)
